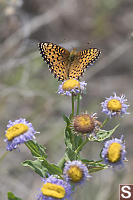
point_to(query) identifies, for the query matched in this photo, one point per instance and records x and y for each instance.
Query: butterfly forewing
(82, 60)
(57, 59)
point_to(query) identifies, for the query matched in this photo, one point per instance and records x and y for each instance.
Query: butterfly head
(73, 54)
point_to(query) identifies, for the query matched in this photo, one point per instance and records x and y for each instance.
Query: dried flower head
(85, 123)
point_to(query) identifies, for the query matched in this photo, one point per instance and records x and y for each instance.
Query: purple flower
(114, 152)
(18, 132)
(75, 172)
(115, 105)
(71, 86)
(54, 188)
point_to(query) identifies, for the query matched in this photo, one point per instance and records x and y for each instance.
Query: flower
(115, 105)
(18, 132)
(75, 172)
(71, 86)
(55, 188)
(114, 152)
(85, 123)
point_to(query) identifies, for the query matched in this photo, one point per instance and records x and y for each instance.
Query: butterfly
(67, 65)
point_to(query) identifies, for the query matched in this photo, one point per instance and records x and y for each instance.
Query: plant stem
(3, 156)
(72, 104)
(105, 121)
(81, 146)
(78, 103)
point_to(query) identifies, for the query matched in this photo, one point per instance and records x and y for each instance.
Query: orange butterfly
(64, 64)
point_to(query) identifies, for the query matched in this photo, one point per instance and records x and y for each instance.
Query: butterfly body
(64, 64)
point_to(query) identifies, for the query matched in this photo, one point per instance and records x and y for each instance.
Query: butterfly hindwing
(57, 59)
(82, 60)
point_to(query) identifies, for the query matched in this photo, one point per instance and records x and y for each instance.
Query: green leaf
(37, 166)
(52, 168)
(11, 196)
(94, 166)
(70, 116)
(72, 141)
(42, 167)
(78, 141)
(71, 154)
(103, 134)
(92, 169)
(91, 162)
(66, 119)
(68, 137)
(36, 149)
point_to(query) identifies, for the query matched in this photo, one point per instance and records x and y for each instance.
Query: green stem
(72, 104)
(3, 156)
(81, 146)
(78, 103)
(105, 121)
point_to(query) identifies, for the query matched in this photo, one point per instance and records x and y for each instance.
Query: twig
(29, 28)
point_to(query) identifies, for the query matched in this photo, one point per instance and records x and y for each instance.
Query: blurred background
(27, 88)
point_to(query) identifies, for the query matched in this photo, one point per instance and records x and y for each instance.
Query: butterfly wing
(82, 60)
(57, 59)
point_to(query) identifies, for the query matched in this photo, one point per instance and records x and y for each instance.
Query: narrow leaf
(94, 166)
(91, 162)
(36, 149)
(78, 141)
(68, 138)
(71, 154)
(11, 196)
(52, 168)
(95, 169)
(36, 166)
(66, 119)
(103, 134)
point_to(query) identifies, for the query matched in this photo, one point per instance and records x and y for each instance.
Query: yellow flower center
(114, 152)
(53, 190)
(16, 130)
(71, 84)
(84, 123)
(75, 173)
(114, 105)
